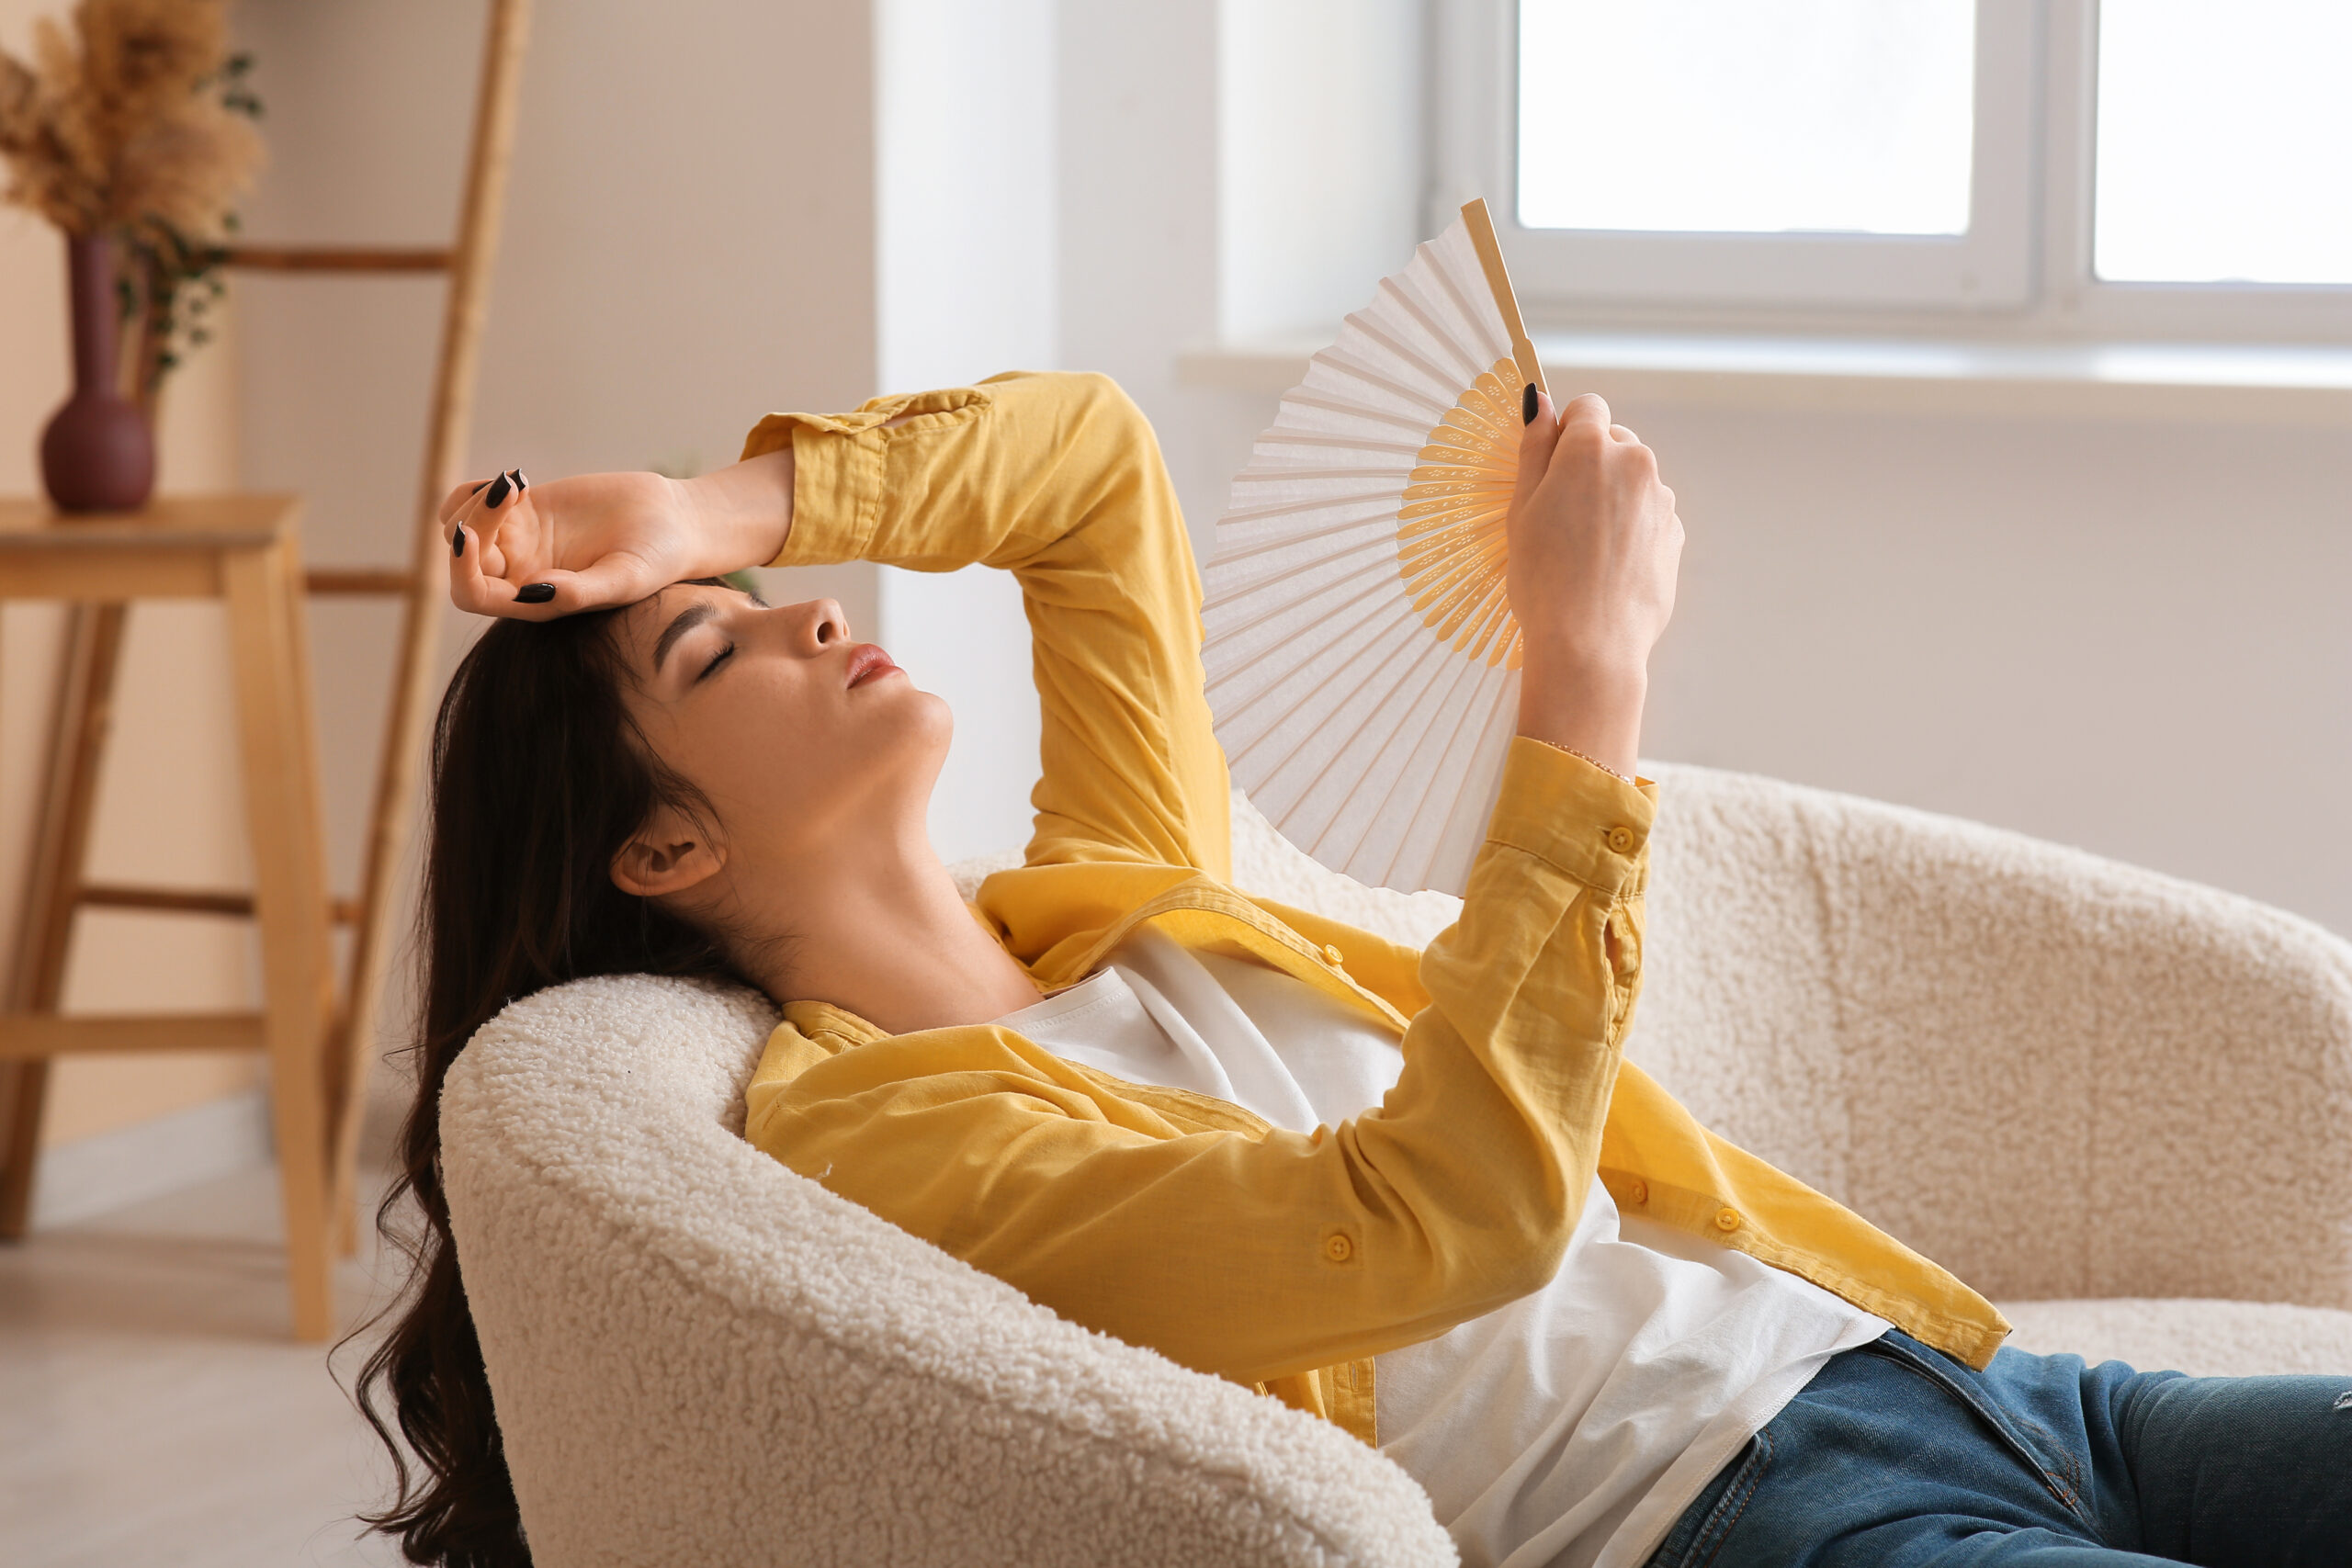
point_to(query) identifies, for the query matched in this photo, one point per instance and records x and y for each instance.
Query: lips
(867, 662)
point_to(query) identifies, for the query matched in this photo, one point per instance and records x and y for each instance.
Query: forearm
(740, 515)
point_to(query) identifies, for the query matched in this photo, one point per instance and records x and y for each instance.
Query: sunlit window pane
(1746, 116)
(2224, 142)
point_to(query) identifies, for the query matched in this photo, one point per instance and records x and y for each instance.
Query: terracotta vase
(98, 453)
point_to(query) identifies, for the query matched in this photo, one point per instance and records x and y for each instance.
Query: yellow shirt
(1280, 1260)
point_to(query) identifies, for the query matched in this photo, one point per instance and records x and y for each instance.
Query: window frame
(2028, 251)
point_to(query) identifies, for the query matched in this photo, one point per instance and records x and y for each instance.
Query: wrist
(1590, 707)
(739, 516)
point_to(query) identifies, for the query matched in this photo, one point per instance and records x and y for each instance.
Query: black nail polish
(499, 488)
(535, 594)
(1526, 409)
(478, 488)
(458, 541)
(521, 483)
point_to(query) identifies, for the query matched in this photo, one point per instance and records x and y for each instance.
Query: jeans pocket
(1699, 1533)
(2049, 1461)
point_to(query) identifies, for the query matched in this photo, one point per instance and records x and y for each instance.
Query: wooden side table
(241, 549)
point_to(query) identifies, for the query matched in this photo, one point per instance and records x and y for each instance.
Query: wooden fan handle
(1491, 257)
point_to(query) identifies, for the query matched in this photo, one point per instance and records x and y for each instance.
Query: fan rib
(1367, 626)
(1416, 422)
(1466, 829)
(1397, 649)
(1232, 556)
(1406, 354)
(1500, 347)
(1235, 520)
(1469, 369)
(1333, 651)
(1377, 571)
(1280, 436)
(1338, 358)
(1404, 732)
(1437, 774)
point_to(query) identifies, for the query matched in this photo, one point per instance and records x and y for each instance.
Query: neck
(880, 929)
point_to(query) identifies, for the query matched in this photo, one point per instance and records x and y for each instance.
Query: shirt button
(1726, 1219)
(1638, 1193)
(1621, 838)
(1333, 956)
(1339, 1249)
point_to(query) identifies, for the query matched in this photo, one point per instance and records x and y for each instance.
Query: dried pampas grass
(137, 125)
(136, 121)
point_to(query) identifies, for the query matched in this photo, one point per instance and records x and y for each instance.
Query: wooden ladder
(57, 889)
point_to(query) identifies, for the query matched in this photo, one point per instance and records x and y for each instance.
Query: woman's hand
(1594, 546)
(536, 551)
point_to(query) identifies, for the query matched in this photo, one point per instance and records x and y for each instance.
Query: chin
(921, 727)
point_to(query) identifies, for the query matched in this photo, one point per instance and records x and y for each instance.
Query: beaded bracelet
(1582, 758)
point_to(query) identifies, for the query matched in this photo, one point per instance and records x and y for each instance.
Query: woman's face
(801, 738)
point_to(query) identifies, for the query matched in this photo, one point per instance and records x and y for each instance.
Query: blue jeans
(1897, 1456)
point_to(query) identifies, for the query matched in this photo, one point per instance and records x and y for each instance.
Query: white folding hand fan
(1362, 660)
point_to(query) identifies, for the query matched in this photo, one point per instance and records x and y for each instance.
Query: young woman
(1419, 1195)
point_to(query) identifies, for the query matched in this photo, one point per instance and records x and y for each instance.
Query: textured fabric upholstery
(2071, 1081)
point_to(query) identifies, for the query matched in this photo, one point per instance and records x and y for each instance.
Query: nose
(819, 624)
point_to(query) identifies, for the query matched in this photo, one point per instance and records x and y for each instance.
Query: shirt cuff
(836, 484)
(1582, 819)
(840, 463)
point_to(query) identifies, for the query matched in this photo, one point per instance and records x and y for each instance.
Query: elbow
(1536, 1261)
(1514, 1254)
(1107, 406)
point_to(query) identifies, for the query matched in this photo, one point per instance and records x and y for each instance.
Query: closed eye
(711, 669)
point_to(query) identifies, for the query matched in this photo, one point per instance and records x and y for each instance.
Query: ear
(671, 853)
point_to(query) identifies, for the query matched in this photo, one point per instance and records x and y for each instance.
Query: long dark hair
(538, 778)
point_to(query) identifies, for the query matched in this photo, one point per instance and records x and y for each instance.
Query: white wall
(1321, 145)
(965, 227)
(2132, 638)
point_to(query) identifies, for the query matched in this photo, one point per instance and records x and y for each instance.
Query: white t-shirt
(1570, 1427)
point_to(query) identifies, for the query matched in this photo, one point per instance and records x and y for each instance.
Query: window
(2224, 154)
(1732, 116)
(2071, 167)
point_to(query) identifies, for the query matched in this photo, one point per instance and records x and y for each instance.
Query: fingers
(1535, 447)
(483, 511)
(476, 590)
(479, 498)
(455, 501)
(619, 578)
(1587, 409)
(1585, 428)
(485, 560)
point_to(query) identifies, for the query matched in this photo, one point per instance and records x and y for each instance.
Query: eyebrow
(687, 620)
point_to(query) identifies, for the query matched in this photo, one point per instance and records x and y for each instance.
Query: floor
(153, 1413)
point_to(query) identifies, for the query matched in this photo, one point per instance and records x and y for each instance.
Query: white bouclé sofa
(2118, 1103)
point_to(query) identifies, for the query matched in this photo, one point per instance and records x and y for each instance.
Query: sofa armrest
(697, 1356)
(2058, 1075)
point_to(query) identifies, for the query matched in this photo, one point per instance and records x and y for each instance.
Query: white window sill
(2240, 383)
